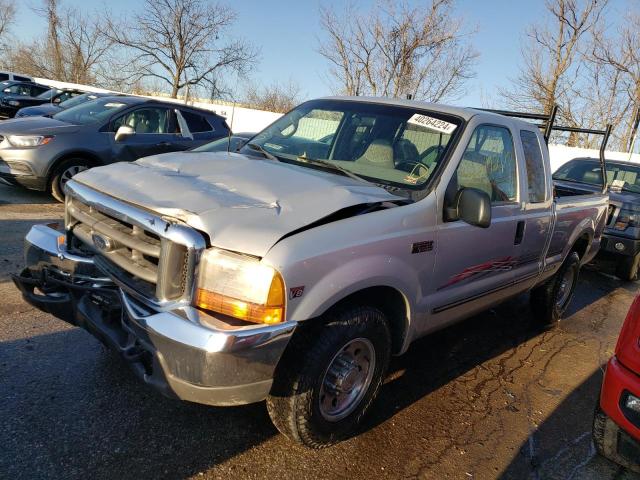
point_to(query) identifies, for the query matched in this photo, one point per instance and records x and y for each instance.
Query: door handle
(519, 233)
(163, 144)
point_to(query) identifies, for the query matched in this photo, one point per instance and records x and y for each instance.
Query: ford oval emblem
(101, 242)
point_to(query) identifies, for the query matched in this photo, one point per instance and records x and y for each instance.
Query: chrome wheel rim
(67, 174)
(566, 284)
(347, 379)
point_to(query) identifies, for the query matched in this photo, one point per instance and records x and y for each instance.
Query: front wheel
(328, 379)
(63, 173)
(550, 300)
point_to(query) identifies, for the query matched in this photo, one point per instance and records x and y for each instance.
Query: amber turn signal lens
(270, 313)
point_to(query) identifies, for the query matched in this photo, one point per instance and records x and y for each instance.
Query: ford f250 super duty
(292, 270)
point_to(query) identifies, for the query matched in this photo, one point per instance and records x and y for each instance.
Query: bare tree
(7, 17)
(552, 58)
(178, 42)
(397, 50)
(273, 98)
(73, 49)
(622, 55)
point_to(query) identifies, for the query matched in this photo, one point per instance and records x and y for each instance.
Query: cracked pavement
(492, 397)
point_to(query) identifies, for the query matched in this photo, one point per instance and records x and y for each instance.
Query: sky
(287, 33)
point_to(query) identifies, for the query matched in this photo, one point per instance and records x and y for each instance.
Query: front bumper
(626, 246)
(619, 437)
(16, 168)
(618, 382)
(183, 353)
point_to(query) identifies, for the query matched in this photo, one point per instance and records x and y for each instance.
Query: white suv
(18, 77)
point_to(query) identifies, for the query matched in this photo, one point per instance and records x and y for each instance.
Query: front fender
(335, 284)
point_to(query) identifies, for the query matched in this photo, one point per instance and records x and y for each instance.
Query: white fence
(240, 119)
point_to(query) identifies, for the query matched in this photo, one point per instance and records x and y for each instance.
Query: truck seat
(379, 153)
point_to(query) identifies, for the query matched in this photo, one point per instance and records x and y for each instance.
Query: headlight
(241, 287)
(29, 140)
(14, 103)
(626, 218)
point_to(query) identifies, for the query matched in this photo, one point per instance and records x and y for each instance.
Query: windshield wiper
(258, 148)
(571, 180)
(331, 166)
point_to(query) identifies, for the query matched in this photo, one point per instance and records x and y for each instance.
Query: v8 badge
(295, 292)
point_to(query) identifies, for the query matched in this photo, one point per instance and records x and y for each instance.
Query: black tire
(294, 403)
(627, 268)
(550, 300)
(60, 175)
(605, 439)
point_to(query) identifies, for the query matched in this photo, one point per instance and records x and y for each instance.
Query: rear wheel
(63, 173)
(627, 268)
(329, 377)
(550, 300)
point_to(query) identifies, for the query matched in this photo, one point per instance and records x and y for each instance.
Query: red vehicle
(616, 426)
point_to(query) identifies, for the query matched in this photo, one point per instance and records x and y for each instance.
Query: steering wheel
(416, 168)
(434, 148)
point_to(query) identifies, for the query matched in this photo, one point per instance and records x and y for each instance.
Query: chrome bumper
(183, 353)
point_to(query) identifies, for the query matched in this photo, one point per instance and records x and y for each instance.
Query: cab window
(489, 164)
(535, 166)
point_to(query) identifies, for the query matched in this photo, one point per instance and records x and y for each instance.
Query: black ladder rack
(548, 126)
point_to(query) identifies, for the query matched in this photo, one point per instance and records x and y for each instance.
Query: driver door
(474, 264)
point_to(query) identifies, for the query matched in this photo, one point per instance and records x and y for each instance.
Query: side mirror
(474, 207)
(123, 132)
(57, 100)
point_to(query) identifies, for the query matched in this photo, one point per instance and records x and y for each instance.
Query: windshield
(387, 144)
(90, 112)
(48, 94)
(626, 177)
(72, 102)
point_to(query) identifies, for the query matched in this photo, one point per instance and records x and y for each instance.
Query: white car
(17, 77)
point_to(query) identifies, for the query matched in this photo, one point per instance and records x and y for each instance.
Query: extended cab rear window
(535, 166)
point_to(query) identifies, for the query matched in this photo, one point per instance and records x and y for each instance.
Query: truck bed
(576, 204)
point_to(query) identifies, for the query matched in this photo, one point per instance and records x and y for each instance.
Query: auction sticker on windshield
(432, 123)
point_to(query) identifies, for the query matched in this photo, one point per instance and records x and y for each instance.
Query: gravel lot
(493, 397)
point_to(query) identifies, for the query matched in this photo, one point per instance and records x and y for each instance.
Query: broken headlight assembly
(240, 286)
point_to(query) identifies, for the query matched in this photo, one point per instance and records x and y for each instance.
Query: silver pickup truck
(292, 270)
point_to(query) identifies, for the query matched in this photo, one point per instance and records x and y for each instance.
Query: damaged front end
(177, 349)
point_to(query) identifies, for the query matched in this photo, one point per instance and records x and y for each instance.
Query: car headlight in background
(13, 103)
(29, 140)
(241, 287)
(626, 218)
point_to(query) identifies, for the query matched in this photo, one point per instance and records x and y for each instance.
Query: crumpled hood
(243, 203)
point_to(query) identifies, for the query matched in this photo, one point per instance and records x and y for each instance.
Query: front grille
(137, 254)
